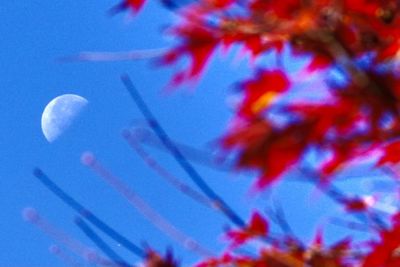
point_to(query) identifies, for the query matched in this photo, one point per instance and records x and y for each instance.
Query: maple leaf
(339, 117)
(263, 146)
(261, 91)
(198, 43)
(333, 34)
(341, 153)
(257, 227)
(391, 154)
(280, 154)
(385, 252)
(245, 32)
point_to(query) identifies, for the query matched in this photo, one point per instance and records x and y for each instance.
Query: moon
(59, 114)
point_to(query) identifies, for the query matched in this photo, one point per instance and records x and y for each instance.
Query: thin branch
(278, 215)
(101, 244)
(164, 173)
(86, 253)
(67, 259)
(339, 197)
(200, 156)
(115, 56)
(175, 152)
(350, 225)
(87, 214)
(145, 209)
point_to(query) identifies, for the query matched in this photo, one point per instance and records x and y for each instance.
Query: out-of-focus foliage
(359, 116)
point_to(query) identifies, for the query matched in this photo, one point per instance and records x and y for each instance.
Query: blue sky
(37, 33)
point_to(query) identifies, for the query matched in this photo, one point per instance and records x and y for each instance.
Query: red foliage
(385, 252)
(198, 43)
(261, 91)
(257, 227)
(267, 148)
(391, 154)
(359, 116)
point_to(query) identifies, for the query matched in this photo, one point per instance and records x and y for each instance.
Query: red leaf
(385, 252)
(238, 237)
(319, 62)
(355, 205)
(261, 91)
(271, 150)
(198, 43)
(391, 154)
(257, 227)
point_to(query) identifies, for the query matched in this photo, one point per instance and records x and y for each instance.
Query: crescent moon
(59, 113)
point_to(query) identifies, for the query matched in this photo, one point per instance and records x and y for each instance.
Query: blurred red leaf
(262, 90)
(257, 227)
(391, 154)
(355, 205)
(198, 43)
(385, 252)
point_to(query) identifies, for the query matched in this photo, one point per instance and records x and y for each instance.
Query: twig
(68, 260)
(87, 214)
(32, 216)
(183, 162)
(162, 172)
(278, 216)
(145, 209)
(115, 56)
(196, 155)
(339, 197)
(100, 243)
(351, 225)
